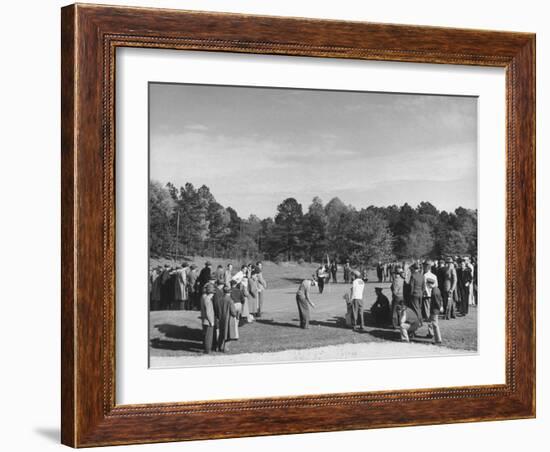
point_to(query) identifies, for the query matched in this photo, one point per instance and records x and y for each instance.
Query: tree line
(189, 221)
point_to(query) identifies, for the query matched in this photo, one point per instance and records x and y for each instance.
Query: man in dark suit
(448, 291)
(380, 272)
(380, 310)
(204, 277)
(417, 287)
(464, 279)
(439, 272)
(436, 306)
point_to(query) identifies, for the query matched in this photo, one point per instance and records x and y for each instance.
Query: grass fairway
(179, 333)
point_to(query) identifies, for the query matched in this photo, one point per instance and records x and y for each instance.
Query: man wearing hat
(380, 310)
(167, 288)
(464, 280)
(208, 318)
(356, 296)
(225, 312)
(435, 307)
(180, 287)
(429, 277)
(449, 289)
(397, 294)
(417, 288)
(439, 271)
(191, 288)
(204, 276)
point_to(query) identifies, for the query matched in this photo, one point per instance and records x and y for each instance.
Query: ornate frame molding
(90, 37)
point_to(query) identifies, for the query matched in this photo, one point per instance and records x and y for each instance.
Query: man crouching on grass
(408, 322)
(304, 302)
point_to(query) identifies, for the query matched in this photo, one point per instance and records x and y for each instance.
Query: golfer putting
(304, 301)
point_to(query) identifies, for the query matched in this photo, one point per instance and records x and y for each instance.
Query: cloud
(195, 127)
(253, 147)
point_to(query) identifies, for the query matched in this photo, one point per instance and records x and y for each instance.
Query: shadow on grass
(188, 346)
(387, 335)
(187, 339)
(293, 280)
(282, 324)
(180, 332)
(334, 322)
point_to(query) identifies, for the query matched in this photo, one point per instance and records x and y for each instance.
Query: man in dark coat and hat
(448, 290)
(166, 288)
(397, 291)
(464, 279)
(204, 277)
(436, 306)
(417, 287)
(380, 310)
(225, 310)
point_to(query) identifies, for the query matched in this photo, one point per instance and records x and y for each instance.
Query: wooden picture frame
(90, 35)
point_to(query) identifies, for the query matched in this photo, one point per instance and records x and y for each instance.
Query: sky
(254, 147)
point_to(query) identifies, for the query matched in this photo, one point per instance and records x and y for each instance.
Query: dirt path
(378, 350)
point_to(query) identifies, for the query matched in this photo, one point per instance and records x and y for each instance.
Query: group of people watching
(226, 300)
(421, 292)
(329, 272)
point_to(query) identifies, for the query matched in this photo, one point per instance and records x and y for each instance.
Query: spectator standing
(398, 296)
(356, 295)
(417, 287)
(208, 319)
(180, 287)
(449, 289)
(262, 287)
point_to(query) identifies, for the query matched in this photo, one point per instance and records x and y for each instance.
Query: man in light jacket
(262, 287)
(356, 296)
(397, 287)
(208, 319)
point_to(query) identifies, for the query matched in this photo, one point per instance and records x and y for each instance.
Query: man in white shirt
(356, 295)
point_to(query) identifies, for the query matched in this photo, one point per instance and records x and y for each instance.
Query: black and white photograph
(269, 226)
(290, 225)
